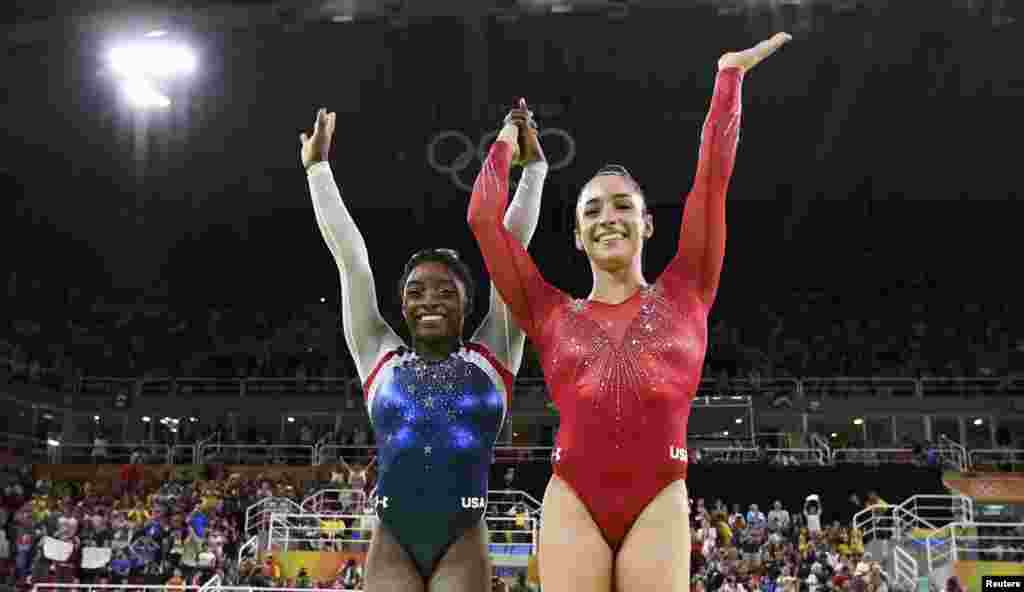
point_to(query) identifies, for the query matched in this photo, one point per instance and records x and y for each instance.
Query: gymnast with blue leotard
(438, 405)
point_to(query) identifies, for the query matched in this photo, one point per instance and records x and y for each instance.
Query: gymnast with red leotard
(622, 365)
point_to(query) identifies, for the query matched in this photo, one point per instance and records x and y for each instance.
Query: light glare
(152, 59)
(143, 94)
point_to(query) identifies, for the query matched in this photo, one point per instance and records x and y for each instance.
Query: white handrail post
(952, 541)
(928, 552)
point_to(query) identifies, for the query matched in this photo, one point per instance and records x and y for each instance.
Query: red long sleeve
(697, 264)
(513, 272)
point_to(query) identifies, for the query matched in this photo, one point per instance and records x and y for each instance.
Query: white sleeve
(366, 332)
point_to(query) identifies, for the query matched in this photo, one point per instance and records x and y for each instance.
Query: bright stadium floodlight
(143, 94)
(157, 33)
(152, 59)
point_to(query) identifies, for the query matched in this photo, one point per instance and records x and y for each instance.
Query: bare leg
(466, 566)
(574, 556)
(388, 567)
(656, 553)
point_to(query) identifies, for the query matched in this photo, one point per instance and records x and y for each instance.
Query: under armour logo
(556, 455)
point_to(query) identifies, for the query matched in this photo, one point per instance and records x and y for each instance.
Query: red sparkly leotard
(622, 376)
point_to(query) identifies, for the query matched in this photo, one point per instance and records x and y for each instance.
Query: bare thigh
(466, 566)
(388, 567)
(573, 555)
(656, 552)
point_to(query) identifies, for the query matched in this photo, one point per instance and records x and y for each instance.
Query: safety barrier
(904, 568)
(504, 500)
(319, 532)
(873, 456)
(813, 387)
(1013, 458)
(331, 453)
(257, 516)
(250, 549)
(963, 541)
(803, 456)
(212, 585)
(258, 454)
(505, 454)
(953, 454)
(340, 532)
(165, 588)
(919, 512)
(334, 501)
(108, 453)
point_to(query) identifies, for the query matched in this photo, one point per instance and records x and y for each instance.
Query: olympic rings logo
(452, 152)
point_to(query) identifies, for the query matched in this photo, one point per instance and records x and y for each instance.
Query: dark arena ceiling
(881, 131)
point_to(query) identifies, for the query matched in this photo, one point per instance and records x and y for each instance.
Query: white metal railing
(835, 386)
(74, 453)
(334, 501)
(330, 453)
(954, 451)
(509, 533)
(250, 547)
(319, 532)
(904, 568)
(522, 453)
(965, 542)
(927, 512)
(855, 386)
(954, 454)
(504, 500)
(291, 532)
(243, 454)
(164, 588)
(1014, 457)
(729, 454)
(873, 456)
(803, 456)
(212, 585)
(188, 452)
(819, 441)
(970, 386)
(257, 516)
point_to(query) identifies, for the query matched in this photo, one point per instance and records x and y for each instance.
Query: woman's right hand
(317, 147)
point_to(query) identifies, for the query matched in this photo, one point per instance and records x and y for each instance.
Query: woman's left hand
(747, 59)
(529, 141)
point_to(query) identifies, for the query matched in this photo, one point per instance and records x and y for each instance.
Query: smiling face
(612, 222)
(433, 302)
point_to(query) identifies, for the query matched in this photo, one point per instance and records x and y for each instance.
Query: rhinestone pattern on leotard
(448, 405)
(652, 340)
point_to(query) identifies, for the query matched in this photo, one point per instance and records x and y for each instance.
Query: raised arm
(697, 264)
(366, 332)
(498, 331)
(512, 271)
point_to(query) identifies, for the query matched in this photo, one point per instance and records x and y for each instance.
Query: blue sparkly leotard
(435, 424)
